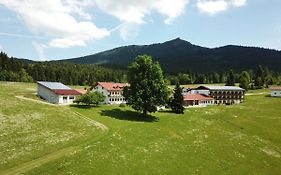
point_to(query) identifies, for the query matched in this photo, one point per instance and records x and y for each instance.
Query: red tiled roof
(112, 86)
(196, 97)
(66, 92)
(275, 88)
(81, 91)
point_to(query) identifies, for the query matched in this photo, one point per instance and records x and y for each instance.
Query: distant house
(223, 94)
(55, 92)
(275, 91)
(113, 92)
(197, 100)
(82, 91)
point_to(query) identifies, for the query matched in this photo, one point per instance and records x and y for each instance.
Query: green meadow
(39, 138)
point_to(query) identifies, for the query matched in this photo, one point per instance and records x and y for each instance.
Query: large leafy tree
(177, 102)
(147, 88)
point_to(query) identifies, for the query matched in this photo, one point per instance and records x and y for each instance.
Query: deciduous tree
(147, 88)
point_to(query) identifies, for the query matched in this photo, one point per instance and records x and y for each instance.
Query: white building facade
(197, 100)
(223, 94)
(113, 92)
(57, 93)
(275, 91)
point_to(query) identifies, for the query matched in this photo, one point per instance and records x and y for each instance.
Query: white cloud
(134, 11)
(56, 20)
(238, 3)
(65, 43)
(212, 7)
(129, 31)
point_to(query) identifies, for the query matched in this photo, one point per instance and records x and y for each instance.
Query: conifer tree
(177, 102)
(230, 81)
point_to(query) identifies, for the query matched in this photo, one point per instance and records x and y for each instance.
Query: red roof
(275, 88)
(81, 91)
(66, 92)
(112, 86)
(196, 97)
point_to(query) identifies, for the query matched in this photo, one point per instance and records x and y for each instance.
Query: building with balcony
(113, 92)
(224, 94)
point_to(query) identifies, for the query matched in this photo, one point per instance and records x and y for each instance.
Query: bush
(122, 105)
(90, 98)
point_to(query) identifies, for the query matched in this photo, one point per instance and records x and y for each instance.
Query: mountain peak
(178, 41)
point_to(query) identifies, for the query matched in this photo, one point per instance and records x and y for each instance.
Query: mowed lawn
(238, 139)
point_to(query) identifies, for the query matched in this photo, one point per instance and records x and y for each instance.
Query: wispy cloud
(212, 7)
(22, 36)
(40, 50)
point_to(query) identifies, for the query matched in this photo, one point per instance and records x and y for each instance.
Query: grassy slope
(238, 139)
(29, 130)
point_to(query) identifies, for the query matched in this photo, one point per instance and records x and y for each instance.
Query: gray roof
(230, 88)
(53, 85)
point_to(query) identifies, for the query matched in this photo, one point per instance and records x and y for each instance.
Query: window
(71, 98)
(64, 98)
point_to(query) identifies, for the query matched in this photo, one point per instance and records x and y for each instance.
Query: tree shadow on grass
(128, 115)
(83, 106)
(166, 111)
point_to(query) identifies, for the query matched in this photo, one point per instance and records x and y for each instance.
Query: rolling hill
(180, 56)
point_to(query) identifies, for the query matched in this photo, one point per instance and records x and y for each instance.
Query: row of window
(70, 98)
(229, 97)
(221, 92)
(206, 102)
(223, 101)
(115, 93)
(116, 99)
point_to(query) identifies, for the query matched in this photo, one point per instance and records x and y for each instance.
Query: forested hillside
(181, 56)
(12, 69)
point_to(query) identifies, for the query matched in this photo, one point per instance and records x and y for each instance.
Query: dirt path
(22, 168)
(34, 100)
(97, 124)
(261, 93)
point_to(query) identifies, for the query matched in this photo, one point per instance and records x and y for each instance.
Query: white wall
(276, 93)
(51, 97)
(47, 94)
(204, 103)
(111, 97)
(204, 92)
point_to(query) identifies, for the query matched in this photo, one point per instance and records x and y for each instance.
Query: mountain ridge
(178, 55)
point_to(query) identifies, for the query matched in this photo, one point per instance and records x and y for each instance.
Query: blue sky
(49, 30)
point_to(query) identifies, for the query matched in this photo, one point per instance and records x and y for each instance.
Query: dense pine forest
(12, 69)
